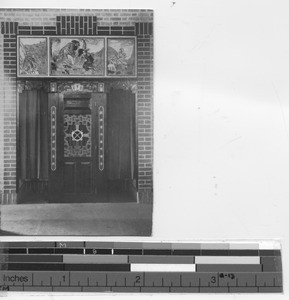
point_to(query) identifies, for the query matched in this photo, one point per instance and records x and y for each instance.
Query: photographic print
(77, 122)
(76, 56)
(32, 54)
(120, 57)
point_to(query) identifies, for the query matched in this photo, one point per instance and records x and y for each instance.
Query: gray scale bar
(161, 259)
(31, 258)
(14, 244)
(40, 245)
(144, 245)
(271, 263)
(97, 267)
(69, 244)
(186, 246)
(157, 246)
(27, 244)
(244, 246)
(124, 245)
(228, 268)
(215, 246)
(231, 260)
(95, 259)
(104, 245)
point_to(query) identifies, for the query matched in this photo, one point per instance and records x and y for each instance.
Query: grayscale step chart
(141, 267)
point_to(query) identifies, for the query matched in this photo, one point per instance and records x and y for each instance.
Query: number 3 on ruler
(213, 279)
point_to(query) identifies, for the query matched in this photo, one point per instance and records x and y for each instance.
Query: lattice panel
(77, 135)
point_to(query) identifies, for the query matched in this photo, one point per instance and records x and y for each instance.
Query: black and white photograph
(144, 148)
(77, 119)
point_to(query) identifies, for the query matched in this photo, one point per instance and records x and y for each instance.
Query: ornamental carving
(77, 135)
(69, 86)
(53, 138)
(101, 138)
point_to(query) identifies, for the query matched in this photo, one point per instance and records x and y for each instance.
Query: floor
(77, 219)
(105, 197)
(118, 192)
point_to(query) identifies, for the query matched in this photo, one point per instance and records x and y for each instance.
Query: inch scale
(140, 267)
(137, 282)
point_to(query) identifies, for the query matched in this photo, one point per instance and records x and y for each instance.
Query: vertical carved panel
(53, 138)
(101, 137)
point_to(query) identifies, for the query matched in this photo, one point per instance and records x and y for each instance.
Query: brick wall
(145, 111)
(74, 22)
(1, 114)
(105, 17)
(9, 30)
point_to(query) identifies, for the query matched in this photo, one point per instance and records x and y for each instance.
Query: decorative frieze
(75, 56)
(68, 86)
(28, 85)
(77, 86)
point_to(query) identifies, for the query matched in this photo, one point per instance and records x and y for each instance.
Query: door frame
(56, 100)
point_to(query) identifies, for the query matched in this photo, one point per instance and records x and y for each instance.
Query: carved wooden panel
(101, 137)
(77, 135)
(53, 138)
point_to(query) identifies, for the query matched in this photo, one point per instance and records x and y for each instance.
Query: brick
(62, 22)
(58, 25)
(9, 39)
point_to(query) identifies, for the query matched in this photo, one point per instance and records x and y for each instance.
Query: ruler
(148, 267)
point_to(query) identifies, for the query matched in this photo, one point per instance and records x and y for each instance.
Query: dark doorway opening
(77, 147)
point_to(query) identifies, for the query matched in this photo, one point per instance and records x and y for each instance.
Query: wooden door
(77, 144)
